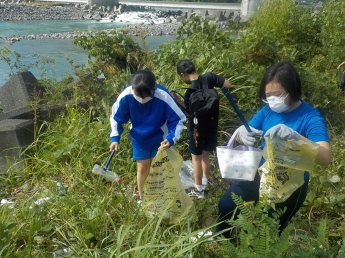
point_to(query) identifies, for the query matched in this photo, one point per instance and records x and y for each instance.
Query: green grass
(98, 219)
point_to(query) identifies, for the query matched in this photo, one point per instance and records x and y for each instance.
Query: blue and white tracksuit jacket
(152, 122)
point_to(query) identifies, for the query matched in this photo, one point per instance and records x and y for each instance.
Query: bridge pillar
(110, 3)
(248, 8)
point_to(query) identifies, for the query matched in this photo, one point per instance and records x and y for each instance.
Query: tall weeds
(99, 219)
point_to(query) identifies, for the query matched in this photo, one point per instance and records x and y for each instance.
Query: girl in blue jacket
(156, 121)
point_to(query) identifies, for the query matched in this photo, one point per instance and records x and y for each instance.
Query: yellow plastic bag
(283, 171)
(163, 190)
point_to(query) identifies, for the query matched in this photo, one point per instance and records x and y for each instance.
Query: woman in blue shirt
(285, 116)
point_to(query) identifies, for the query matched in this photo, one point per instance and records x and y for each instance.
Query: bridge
(247, 7)
(184, 5)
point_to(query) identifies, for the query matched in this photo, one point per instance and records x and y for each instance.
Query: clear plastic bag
(283, 171)
(186, 174)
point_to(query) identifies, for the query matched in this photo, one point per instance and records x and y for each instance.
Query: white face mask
(142, 100)
(277, 104)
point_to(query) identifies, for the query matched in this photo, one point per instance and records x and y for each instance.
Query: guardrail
(169, 5)
(184, 5)
(66, 1)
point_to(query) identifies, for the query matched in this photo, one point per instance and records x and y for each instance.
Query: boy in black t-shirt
(202, 131)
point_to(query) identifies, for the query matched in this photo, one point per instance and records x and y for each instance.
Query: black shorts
(206, 142)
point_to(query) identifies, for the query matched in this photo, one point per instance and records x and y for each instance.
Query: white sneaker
(203, 235)
(137, 198)
(194, 193)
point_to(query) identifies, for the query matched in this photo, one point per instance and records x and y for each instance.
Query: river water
(35, 53)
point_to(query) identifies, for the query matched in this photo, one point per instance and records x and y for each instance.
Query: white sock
(204, 181)
(199, 188)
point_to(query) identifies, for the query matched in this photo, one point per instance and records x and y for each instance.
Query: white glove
(247, 138)
(283, 132)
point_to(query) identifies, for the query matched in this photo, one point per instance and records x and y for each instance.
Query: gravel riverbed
(133, 19)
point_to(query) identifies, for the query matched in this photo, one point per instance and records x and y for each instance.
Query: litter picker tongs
(232, 101)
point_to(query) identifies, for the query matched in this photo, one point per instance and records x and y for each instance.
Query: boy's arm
(227, 84)
(219, 81)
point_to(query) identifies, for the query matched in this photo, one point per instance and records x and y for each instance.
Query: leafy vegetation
(11, 59)
(95, 218)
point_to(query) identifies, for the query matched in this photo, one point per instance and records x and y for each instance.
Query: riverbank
(135, 20)
(26, 11)
(135, 30)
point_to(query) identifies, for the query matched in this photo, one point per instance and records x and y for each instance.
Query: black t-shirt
(213, 80)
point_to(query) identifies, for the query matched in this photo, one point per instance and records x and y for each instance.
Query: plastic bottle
(61, 188)
(108, 175)
(111, 176)
(65, 252)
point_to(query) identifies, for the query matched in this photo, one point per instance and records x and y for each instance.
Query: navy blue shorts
(141, 154)
(206, 142)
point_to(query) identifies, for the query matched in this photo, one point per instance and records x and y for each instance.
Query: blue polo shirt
(305, 119)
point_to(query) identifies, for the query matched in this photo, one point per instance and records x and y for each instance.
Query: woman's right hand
(114, 146)
(247, 138)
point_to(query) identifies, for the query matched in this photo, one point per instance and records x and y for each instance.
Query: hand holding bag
(164, 194)
(240, 162)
